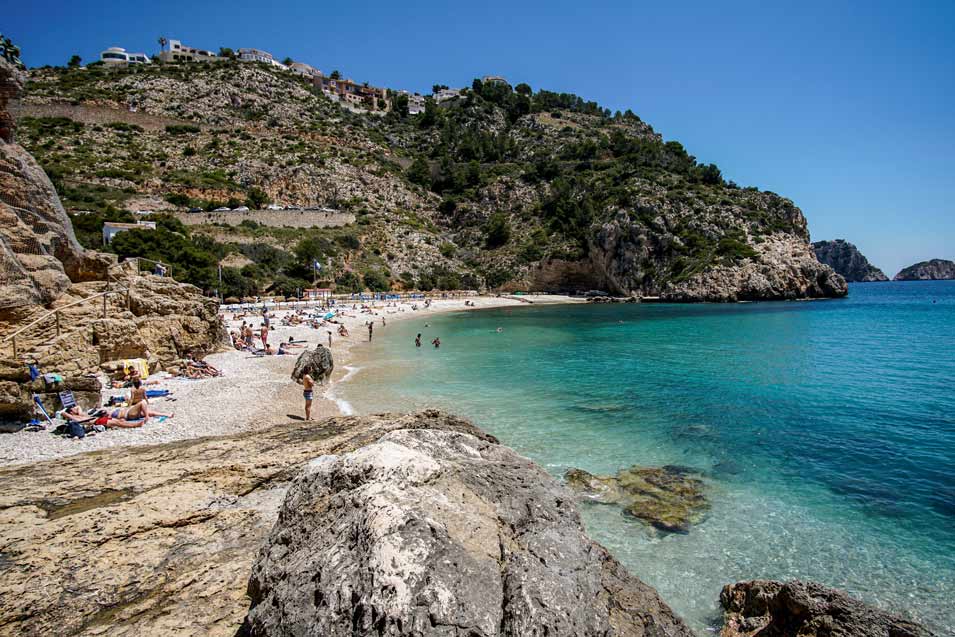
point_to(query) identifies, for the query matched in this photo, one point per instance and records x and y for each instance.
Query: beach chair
(68, 399)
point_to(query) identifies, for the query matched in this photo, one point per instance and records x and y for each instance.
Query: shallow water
(826, 430)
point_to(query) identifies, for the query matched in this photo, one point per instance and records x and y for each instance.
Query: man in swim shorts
(308, 386)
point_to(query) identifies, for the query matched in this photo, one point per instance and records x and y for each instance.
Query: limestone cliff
(934, 270)
(845, 258)
(36, 238)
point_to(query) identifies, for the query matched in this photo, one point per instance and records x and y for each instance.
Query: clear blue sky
(847, 108)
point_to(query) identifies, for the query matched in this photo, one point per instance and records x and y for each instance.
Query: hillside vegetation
(500, 188)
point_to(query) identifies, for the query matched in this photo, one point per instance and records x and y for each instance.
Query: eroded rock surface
(158, 540)
(437, 532)
(668, 498)
(805, 609)
(317, 363)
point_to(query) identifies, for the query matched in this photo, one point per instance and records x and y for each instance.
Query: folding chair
(68, 399)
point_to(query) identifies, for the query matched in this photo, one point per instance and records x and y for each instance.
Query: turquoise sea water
(825, 430)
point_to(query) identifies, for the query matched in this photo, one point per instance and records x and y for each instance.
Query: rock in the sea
(317, 363)
(805, 609)
(845, 258)
(668, 498)
(934, 270)
(437, 532)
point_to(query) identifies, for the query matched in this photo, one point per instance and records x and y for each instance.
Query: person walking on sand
(308, 386)
(329, 339)
(371, 328)
(417, 340)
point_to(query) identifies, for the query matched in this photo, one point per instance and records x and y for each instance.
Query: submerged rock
(317, 363)
(668, 498)
(437, 532)
(805, 609)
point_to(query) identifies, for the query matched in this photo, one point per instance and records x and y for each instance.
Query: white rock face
(432, 532)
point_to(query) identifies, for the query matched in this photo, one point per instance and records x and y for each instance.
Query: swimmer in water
(500, 329)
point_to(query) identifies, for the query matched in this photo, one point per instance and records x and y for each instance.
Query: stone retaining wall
(275, 218)
(92, 114)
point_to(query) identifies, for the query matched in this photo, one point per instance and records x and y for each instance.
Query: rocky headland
(496, 189)
(933, 270)
(846, 260)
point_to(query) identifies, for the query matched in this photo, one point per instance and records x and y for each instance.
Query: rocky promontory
(417, 524)
(845, 258)
(934, 270)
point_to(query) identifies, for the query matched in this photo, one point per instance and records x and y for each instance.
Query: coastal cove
(824, 431)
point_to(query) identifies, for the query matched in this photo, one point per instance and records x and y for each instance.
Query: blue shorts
(307, 394)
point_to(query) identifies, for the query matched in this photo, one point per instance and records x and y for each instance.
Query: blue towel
(156, 393)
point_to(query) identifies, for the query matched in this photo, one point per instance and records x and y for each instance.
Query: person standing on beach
(264, 335)
(329, 339)
(308, 390)
(417, 340)
(371, 328)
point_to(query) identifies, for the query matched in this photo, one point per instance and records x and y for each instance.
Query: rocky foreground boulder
(805, 609)
(441, 532)
(933, 270)
(845, 258)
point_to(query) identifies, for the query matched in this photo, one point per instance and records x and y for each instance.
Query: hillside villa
(113, 228)
(179, 52)
(115, 55)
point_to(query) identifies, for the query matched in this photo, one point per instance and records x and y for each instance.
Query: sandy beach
(253, 392)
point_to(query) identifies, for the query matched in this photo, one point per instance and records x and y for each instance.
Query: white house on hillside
(117, 55)
(257, 55)
(112, 228)
(179, 52)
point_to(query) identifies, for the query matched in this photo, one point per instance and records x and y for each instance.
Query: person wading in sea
(308, 386)
(436, 342)
(417, 340)
(371, 327)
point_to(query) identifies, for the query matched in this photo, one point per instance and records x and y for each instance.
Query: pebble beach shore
(253, 392)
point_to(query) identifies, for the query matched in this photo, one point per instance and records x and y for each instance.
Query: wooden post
(56, 315)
